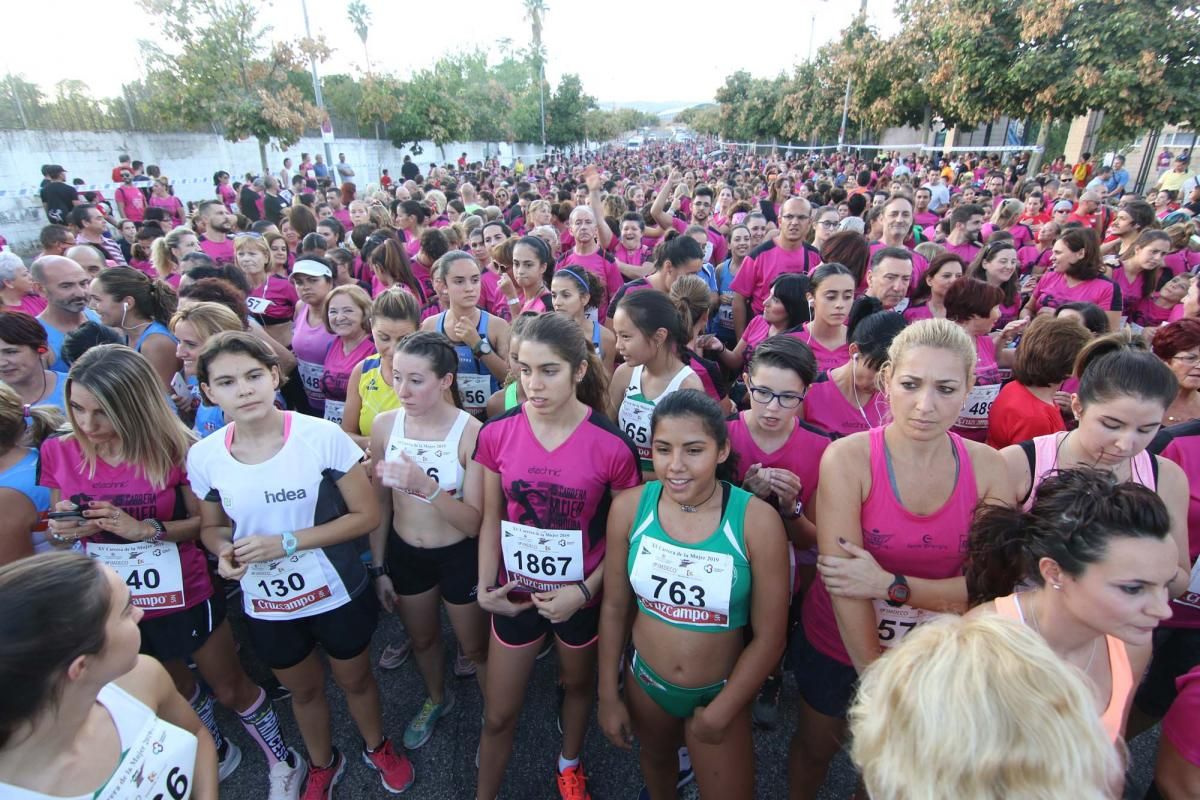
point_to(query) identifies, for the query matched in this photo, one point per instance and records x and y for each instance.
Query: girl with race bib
(394, 316)
(541, 542)
(285, 503)
(425, 549)
(893, 508)
(847, 399)
(574, 292)
(479, 338)
(119, 483)
(347, 311)
(975, 306)
(703, 559)
(140, 309)
(651, 336)
(831, 296)
(84, 716)
(272, 298)
(311, 340)
(1100, 554)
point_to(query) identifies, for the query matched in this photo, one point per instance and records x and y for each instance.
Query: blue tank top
(23, 477)
(153, 329)
(475, 382)
(596, 339)
(57, 396)
(209, 419)
(55, 339)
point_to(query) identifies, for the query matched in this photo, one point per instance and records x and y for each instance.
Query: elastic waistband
(645, 674)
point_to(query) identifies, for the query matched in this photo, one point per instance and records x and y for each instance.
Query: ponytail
(998, 559)
(161, 258)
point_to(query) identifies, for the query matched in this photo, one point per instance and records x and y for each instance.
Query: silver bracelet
(435, 494)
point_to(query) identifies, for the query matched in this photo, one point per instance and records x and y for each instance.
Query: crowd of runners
(920, 429)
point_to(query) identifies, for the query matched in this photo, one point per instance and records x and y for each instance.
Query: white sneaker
(233, 757)
(286, 782)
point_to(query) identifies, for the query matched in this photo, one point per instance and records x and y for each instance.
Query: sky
(634, 52)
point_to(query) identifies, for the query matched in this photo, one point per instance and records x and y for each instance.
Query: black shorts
(1176, 652)
(342, 632)
(826, 684)
(530, 626)
(453, 568)
(177, 635)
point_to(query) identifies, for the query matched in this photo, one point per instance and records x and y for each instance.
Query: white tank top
(158, 759)
(439, 459)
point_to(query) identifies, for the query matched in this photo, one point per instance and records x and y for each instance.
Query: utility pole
(862, 13)
(326, 130)
(542, 97)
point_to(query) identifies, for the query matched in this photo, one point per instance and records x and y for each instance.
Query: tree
(534, 11)
(24, 105)
(565, 113)
(360, 18)
(221, 71)
(704, 118)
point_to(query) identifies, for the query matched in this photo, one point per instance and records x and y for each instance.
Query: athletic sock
(685, 760)
(565, 764)
(202, 703)
(262, 724)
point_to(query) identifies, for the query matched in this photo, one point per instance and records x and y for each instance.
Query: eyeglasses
(248, 235)
(795, 217)
(828, 224)
(1190, 359)
(765, 396)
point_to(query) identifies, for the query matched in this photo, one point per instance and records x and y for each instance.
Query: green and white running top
(158, 759)
(703, 586)
(636, 410)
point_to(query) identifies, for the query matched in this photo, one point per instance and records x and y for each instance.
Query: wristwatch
(796, 512)
(483, 348)
(898, 592)
(290, 543)
(376, 572)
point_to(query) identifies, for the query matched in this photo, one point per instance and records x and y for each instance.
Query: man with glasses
(702, 203)
(788, 252)
(92, 226)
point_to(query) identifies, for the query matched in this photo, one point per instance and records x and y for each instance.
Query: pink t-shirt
(557, 490)
(932, 546)
(828, 409)
(338, 366)
(228, 195)
(134, 202)
(1181, 725)
(826, 359)
(758, 330)
(491, 299)
(926, 218)
(766, 263)
(1131, 290)
(274, 302)
(1030, 256)
(1052, 291)
(967, 250)
(973, 422)
(1184, 450)
(31, 304)
(715, 237)
(801, 454)
(128, 489)
(171, 205)
(220, 252)
(917, 313)
(601, 265)
(636, 257)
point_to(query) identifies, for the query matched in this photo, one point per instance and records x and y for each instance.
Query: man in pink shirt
(786, 253)
(130, 200)
(218, 224)
(897, 228)
(701, 214)
(965, 223)
(921, 214)
(340, 212)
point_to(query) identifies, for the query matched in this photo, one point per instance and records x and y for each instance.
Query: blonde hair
(692, 299)
(1007, 212)
(929, 250)
(979, 708)
(160, 251)
(357, 296)
(438, 199)
(131, 395)
(938, 334)
(259, 243)
(20, 424)
(536, 205)
(207, 318)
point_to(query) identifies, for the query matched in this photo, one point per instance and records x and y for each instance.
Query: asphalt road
(445, 766)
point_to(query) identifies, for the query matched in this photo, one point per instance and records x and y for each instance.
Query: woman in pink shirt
(225, 192)
(1076, 276)
(830, 296)
(167, 251)
(929, 298)
(894, 506)
(348, 317)
(161, 197)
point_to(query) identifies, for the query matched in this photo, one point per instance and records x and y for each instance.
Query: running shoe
(394, 655)
(421, 728)
(395, 770)
(463, 666)
(321, 780)
(228, 761)
(686, 773)
(572, 784)
(765, 712)
(286, 779)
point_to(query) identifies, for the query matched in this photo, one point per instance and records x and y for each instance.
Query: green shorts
(677, 701)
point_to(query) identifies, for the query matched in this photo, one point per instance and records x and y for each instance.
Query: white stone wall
(188, 159)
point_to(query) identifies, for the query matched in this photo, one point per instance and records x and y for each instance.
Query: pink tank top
(933, 547)
(1046, 461)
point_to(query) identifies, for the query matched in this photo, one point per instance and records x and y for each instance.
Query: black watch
(898, 592)
(483, 347)
(376, 572)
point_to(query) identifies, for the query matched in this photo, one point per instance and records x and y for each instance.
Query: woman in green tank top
(701, 559)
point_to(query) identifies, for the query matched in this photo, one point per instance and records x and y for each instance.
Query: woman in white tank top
(84, 715)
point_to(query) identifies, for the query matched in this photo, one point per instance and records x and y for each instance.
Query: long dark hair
(649, 311)
(439, 352)
(55, 609)
(1076, 514)
(562, 335)
(1118, 365)
(873, 329)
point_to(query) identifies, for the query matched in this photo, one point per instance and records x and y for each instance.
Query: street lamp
(846, 102)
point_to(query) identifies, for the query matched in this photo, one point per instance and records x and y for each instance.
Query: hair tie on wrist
(26, 412)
